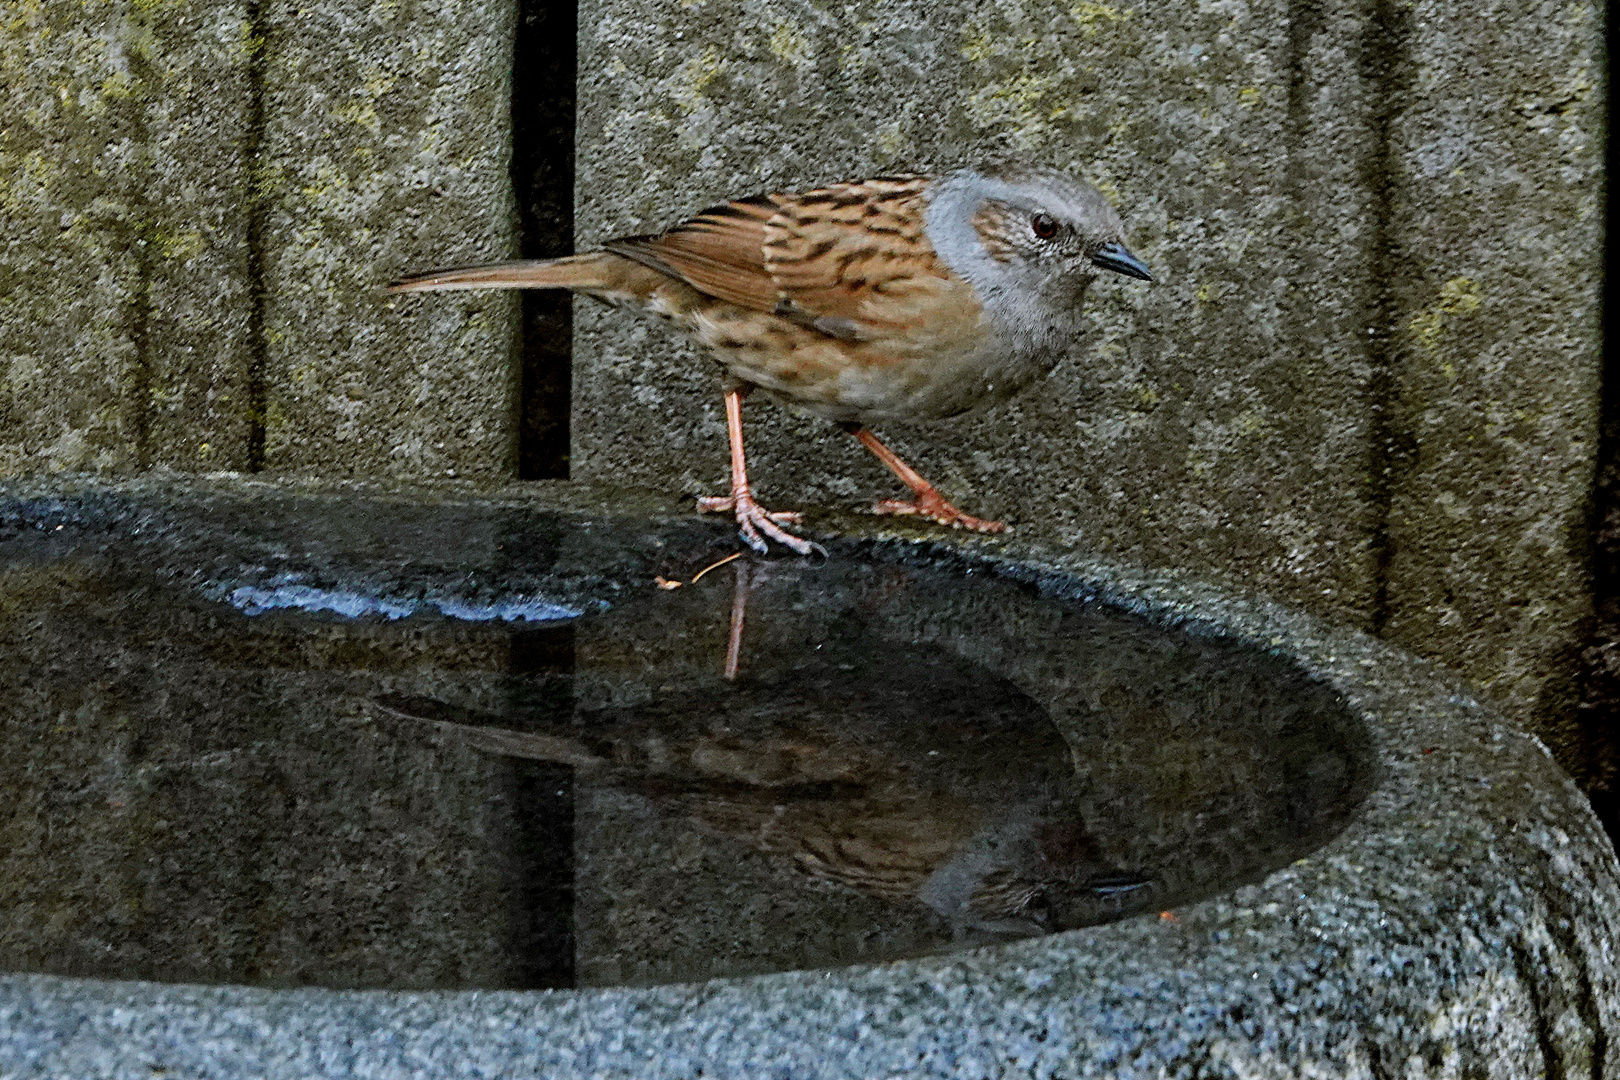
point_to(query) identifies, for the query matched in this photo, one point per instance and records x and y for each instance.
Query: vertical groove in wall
(1304, 22)
(1385, 68)
(138, 384)
(544, 53)
(137, 236)
(1600, 661)
(253, 168)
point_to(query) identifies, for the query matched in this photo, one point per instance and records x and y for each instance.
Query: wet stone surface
(363, 743)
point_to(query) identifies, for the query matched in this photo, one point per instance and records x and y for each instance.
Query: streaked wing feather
(853, 254)
(847, 260)
(720, 252)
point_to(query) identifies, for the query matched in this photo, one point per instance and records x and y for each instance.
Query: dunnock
(897, 298)
(1008, 858)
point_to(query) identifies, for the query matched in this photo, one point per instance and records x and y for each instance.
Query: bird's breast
(943, 358)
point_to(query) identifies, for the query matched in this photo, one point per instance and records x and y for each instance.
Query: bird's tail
(490, 733)
(589, 271)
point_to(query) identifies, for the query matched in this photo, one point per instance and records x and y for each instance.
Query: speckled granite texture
(1465, 925)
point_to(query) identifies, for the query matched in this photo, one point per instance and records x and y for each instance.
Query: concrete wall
(198, 203)
(1495, 232)
(1366, 381)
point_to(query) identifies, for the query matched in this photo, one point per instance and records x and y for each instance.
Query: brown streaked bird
(1011, 859)
(898, 298)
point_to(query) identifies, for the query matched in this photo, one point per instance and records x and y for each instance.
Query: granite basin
(316, 780)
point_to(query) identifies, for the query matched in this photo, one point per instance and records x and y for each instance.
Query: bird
(893, 299)
(1013, 857)
(897, 769)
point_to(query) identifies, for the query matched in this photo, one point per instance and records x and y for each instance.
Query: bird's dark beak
(1114, 257)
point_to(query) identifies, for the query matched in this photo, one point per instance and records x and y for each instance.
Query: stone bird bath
(333, 781)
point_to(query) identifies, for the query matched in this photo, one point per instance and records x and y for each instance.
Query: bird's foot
(755, 523)
(932, 505)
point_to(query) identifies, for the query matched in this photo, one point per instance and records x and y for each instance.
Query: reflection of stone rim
(1470, 914)
(256, 600)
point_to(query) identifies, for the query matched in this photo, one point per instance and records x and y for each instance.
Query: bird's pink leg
(752, 518)
(926, 500)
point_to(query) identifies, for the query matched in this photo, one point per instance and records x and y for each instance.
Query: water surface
(294, 741)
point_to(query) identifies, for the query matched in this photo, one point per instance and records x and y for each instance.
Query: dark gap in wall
(253, 167)
(138, 387)
(1304, 22)
(543, 62)
(1385, 69)
(541, 921)
(140, 238)
(1300, 172)
(1599, 712)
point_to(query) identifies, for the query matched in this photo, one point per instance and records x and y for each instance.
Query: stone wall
(1366, 381)
(1495, 234)
(199, 202)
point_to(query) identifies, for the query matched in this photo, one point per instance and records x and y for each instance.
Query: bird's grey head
(1029, 241)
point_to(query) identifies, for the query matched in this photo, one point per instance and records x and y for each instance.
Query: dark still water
(289, 741)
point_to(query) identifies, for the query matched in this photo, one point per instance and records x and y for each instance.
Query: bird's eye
(1044, 226)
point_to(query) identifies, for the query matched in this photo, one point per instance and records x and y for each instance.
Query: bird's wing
(720, 252)
(849, 259)
(852, 259)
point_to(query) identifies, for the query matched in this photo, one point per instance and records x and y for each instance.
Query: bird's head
(1030, 241)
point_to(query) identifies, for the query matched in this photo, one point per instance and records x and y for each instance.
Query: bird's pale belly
(869, 382)
(924, 388)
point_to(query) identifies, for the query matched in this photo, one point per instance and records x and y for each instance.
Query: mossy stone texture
(123, 277)
(202, 202)
(1497, 234)
(386, 149)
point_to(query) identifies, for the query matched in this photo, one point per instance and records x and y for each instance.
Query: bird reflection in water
(895, 769)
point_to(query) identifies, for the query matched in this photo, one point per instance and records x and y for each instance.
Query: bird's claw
(725, 504)
(755, 523)
(934, 507)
